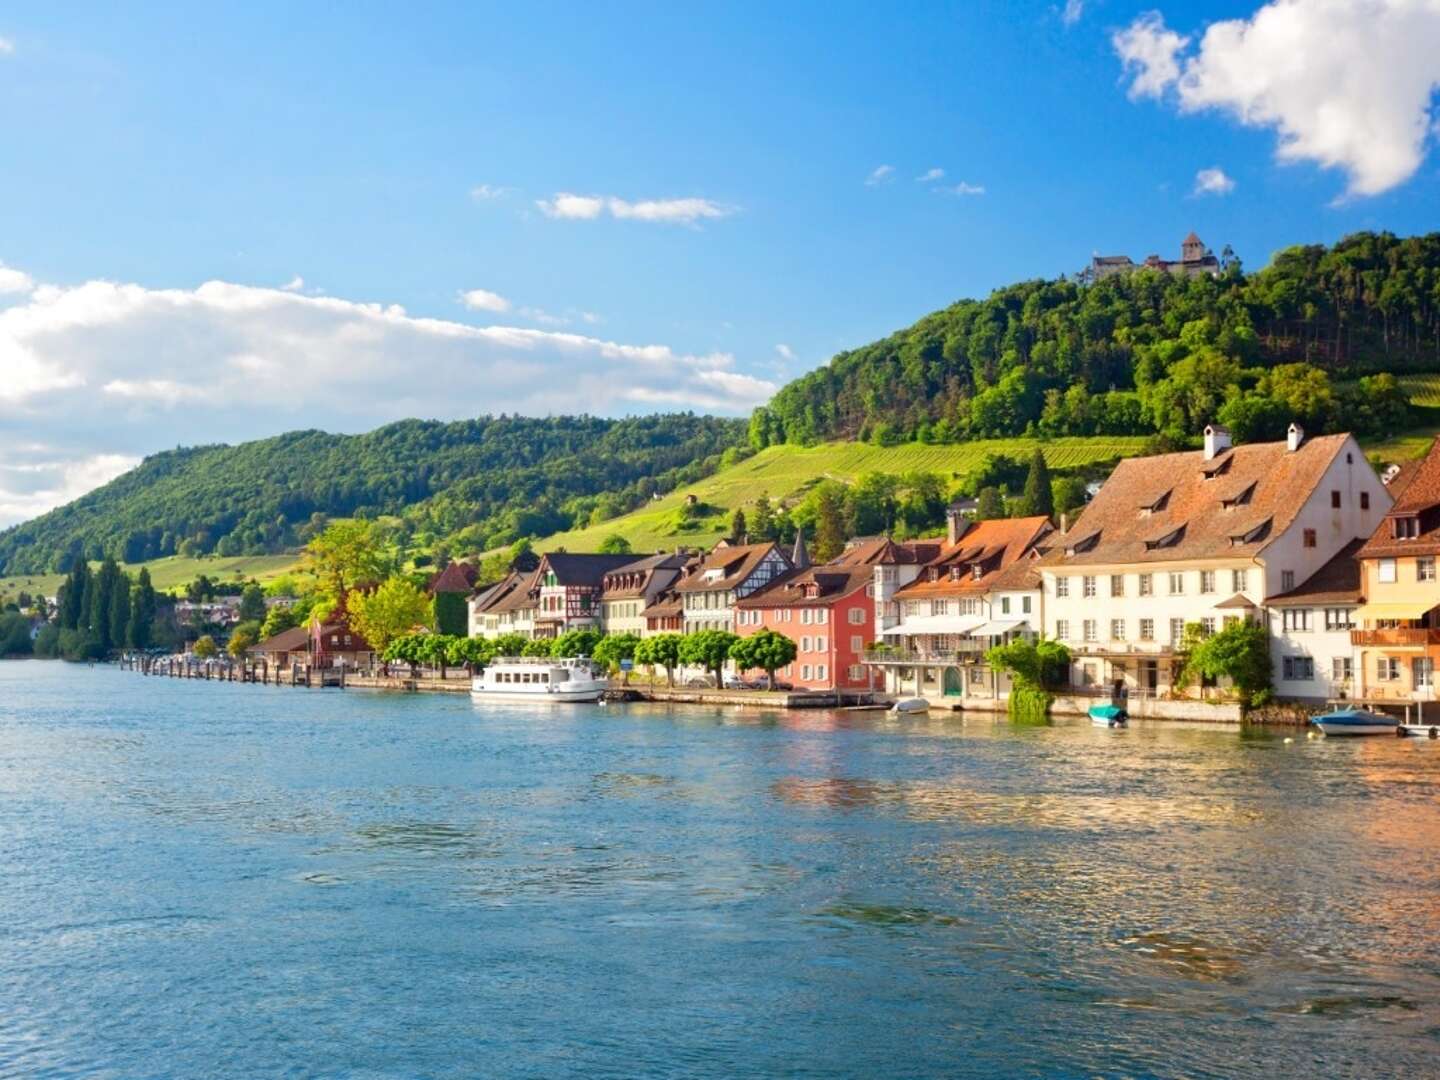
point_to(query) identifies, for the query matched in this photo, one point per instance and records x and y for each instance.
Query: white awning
(934, 624)
(997, 628)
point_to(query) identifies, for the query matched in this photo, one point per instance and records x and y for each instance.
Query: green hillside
(785, 473)
(168, 574)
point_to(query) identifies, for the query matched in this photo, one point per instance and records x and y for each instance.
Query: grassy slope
(784, 473)
(169, 573)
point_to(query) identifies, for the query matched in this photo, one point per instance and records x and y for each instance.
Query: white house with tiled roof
(1203, 537)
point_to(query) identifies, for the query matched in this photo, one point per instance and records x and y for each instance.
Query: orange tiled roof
(994, 546)
(1419, 498)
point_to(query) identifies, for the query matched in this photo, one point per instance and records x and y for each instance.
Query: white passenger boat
(539, 679)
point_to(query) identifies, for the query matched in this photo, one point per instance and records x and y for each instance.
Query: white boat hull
(1424, 731)
(1355, 729)
(910, 705)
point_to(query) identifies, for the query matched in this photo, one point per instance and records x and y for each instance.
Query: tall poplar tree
(1039, 497)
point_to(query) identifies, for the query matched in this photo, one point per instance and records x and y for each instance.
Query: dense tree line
(476, 483)
(1142, 352)
(100, 612)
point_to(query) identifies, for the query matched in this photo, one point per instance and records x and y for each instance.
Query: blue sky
(362, 157)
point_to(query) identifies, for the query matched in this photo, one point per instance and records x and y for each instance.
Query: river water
(205, 879)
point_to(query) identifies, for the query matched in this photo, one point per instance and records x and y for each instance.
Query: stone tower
(1192, 248)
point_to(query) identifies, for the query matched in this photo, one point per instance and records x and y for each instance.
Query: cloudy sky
(221, 224)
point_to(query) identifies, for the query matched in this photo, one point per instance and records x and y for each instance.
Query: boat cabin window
(561, 676)
(543, 676)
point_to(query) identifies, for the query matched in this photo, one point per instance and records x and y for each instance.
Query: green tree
(245, 635)
(990, 505)
(278, 619)
(613, 648)
(510, 645)
(450, 614)
(662, 650)
(537, 647)
(829, 526)
(252, 603)
(709, 649)
(1034, 668)
(394, 609)
(739, 528)
(765, 649)
(614, 544)
(472, 652)
(575, 643)
(1068, 494)
(15, 634)
(205, 647)
(1239, 652)
(118, 616)
(140, 632)
(346, 554)
(763, 521)
(1039, 499)
(102, 593)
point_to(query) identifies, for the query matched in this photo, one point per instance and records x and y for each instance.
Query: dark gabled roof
(286, 641)
(667, 566)
(736, 562)
(832, 582)
(357, 640)
(455, 578)
(516, 597)
(581, 569)
(1192, 522)
(1337, 582)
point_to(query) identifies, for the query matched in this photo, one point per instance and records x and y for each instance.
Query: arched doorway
(952, 683)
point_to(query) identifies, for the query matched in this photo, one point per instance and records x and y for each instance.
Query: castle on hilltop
(1195, 260)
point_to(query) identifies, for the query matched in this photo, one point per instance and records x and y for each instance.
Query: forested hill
(474, 484)
(1142, 352)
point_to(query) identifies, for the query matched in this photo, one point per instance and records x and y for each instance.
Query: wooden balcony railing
(1396, 636)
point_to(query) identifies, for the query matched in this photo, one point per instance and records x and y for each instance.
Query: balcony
(1398, 636)
(911, 657)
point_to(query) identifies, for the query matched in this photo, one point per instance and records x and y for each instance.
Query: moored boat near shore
(539, 679)
(1356, 722)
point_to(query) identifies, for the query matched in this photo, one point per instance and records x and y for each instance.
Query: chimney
(1217, 438)
(956, 524)
(1294, 438)
(1064, 524)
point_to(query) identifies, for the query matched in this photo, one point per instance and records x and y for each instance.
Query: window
(1177, 584)
(1387, 669)
(1335, 500)
(1088, 585)
(1287, 580)
(1422, 671)
(1207, 626)
(939, 607)
(1207, 581)
(857, 643)
(1296, 619)
(805, 616)
(1025, 605)
(805, 644)
(1425, 569)
(1117, 584)
(1004, 605)
(1062, 629)
(1088, 629)
(1298, 668)
(1147, 584)
(1386, 570)
(1364, 500)
(1407, 528)
(1117, 629)
(1341, 669)
(805, 671)
(822, 616)
(1237, 580)
(1308, 537)
(1062, 586)
(821, 644)
(1339, 618)
(857, 616)
(820, 672)
(1147, 629)
(1177, 631)
(1229, 621)
(855, 673)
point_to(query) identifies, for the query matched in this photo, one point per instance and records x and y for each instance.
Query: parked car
(700, 682)
(735, 682)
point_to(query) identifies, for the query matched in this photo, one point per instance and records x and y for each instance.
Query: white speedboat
(1356, 722)
(909, 705)
(539, 679)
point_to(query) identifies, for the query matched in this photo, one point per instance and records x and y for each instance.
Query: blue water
(203, 879)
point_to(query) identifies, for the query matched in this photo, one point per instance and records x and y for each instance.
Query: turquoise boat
(1356, 722)
(1108, 716)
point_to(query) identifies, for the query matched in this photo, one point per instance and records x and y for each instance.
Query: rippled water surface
(217, 880)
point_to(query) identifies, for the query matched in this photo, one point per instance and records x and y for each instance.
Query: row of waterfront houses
(1301, 536)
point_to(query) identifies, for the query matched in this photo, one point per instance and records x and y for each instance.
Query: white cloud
(483, 192)
(35, 480)
(1344, 84)
(295, 284)
(1213, 182)
(962, 188)
(571, 207)
(484, 300)
(105, 372)
(1072, 12)
(7, 47)
(14, 281)
(786, 353)
(881, 174)
(929, 176)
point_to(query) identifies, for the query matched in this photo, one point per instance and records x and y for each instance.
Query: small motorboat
(1109, 716)
(1356, 722)
(908, 705)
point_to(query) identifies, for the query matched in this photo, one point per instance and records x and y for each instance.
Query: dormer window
(1155, 505)
(1240, 498)
(1218, 467)
(933, 574)
(955, 572)
(1084, 544)
(1169, 539)
(1405, 528)
(1249, 536)
(976, 571)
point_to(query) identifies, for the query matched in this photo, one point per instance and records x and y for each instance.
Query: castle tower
(1192, 248)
